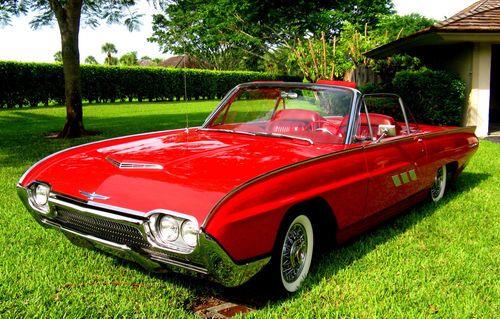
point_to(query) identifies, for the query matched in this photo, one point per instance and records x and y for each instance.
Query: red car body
(237, 189)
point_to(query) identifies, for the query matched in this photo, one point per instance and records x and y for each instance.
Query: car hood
(187, 172)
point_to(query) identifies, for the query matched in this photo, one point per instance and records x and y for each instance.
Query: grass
(435, 261)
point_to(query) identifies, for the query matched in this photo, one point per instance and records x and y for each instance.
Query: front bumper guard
(207, 260)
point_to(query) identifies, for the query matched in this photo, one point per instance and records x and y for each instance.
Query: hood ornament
(92, 196)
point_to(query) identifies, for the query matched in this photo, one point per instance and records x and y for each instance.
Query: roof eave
(434, 36)
(394, 47)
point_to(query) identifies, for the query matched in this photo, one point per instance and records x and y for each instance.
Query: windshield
(318, 114)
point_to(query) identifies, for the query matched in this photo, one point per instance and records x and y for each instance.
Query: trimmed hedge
(434, 97)
(31, 84)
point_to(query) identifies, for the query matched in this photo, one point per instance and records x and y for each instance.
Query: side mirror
(385, 130)
(289, 95)
(389, 130)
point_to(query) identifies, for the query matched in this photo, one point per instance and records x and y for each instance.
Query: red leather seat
(375, 120)
(293, 121)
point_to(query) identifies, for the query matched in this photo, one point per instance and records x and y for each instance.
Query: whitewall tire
(439, 186)
(296, 251)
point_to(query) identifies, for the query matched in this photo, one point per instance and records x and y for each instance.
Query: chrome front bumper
(208, 259)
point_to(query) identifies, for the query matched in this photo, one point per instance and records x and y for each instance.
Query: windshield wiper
(291, 137)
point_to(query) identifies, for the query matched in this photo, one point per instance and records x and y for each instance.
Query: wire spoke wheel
(437, 189)
(296, 253)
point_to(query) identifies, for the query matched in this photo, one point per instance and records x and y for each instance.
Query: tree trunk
(68, 18)
(72, 86)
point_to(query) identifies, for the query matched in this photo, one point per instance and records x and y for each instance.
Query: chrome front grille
(101, 228)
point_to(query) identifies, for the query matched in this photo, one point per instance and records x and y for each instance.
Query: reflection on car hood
(188, 172)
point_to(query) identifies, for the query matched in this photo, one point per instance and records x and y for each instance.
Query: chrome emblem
(92, 196)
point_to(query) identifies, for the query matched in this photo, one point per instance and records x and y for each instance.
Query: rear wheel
(439, 186)
(294, 253)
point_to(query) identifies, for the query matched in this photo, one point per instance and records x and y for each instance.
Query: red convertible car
(275, 170)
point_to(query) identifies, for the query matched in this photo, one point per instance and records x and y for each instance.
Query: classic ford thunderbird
(275, 171)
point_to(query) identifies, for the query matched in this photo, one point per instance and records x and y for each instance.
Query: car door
(394, 161)
(394, 167)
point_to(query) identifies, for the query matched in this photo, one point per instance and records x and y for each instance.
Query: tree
(395, 26)
(359, 13)
(238, 34)
(58, 57)
(109, 49)
(69, 14)
(320, 58)
(129, 58)
(232, 34)
(91, 60)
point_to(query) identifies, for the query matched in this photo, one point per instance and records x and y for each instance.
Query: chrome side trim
(364, 146)
(465, 129)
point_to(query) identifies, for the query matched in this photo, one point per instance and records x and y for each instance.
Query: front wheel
(439, 186)
(295, 253)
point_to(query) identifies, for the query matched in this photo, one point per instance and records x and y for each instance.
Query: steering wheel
(318, 126)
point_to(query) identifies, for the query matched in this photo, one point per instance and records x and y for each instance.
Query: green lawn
(438, 260)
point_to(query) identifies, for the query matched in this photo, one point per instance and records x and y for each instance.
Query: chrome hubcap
(294, 253)
(438, 183)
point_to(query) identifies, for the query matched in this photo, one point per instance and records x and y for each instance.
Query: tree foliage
(91, 60)
(58, 57)
(129, 59)
(109, 49)
(239, 34)
(359, 13)
(92, 11)
(322, 58)
(394, 26)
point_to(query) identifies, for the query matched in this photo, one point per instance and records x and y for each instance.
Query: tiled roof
(479, 19)
(180, 61)
(483, 15)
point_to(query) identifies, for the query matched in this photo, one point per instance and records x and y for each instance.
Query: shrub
(370, 88)
(31, 84)
(435, 97)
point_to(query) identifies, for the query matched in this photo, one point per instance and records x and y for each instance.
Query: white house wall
(479, 98)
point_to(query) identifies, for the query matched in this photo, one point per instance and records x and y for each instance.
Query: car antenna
(186, 109)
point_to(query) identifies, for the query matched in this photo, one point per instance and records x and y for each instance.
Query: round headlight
(41, 195)
(168, 228)
(189, 233)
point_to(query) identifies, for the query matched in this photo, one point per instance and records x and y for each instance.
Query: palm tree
(90, 60)
(58, 57)
(108, 49)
